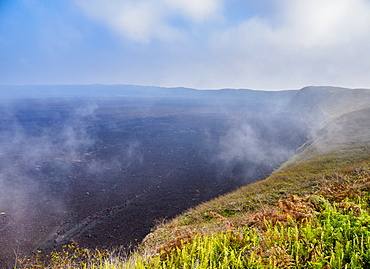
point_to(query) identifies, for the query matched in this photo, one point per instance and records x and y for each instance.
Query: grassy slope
(328, 229)
(338, 153)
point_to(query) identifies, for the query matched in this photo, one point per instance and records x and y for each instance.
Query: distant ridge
(120, 91)
(337, 117)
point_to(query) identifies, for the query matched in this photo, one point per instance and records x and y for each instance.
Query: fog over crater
(98, 165)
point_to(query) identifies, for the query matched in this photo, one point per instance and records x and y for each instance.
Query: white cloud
(320, 42)
(327, 22)
(137, 21)
(195, 9)
(144, 20)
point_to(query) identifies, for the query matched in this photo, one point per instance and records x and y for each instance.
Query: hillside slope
(338, 119)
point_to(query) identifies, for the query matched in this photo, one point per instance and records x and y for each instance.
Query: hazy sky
(257, 44)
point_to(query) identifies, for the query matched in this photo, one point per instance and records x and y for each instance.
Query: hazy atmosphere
(206, 44)
(120, 115)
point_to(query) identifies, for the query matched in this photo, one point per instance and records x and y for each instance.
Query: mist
(262, 141)
(99, 169)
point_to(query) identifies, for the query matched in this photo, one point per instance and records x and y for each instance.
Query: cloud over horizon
(200, 44)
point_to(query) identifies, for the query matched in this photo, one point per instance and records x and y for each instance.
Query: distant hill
(319, 104)
(337, 117)
(108, 91)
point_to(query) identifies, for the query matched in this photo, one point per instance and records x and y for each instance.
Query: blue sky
(204, 44)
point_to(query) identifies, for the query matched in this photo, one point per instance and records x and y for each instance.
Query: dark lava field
(100, 172)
